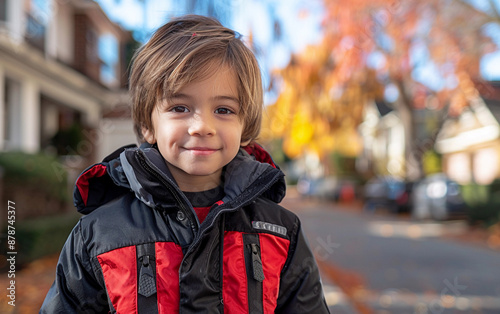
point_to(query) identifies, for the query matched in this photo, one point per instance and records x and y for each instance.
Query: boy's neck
(193, 183)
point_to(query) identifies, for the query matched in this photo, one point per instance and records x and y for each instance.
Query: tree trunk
(413, 159)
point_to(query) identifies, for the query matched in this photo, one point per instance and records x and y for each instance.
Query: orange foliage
(326, 87)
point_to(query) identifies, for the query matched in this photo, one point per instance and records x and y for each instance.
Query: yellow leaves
(308, 131)
(348, 142)
(301, 131)
(325, 143)
(345, 141)
(291, 149)
(314, 112)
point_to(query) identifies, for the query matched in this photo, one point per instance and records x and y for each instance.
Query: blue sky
(302, 31)
(490, 64)
(297, 32)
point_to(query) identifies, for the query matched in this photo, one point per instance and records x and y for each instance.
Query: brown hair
(186, 49)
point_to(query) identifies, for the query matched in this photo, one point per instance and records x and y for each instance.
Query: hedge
(40, 237)
(483, 202)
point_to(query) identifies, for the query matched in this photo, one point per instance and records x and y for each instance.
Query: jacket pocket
(255, 272)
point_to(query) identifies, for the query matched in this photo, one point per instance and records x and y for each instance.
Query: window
(485, 165)
(108, 53)
(459, 167)
(3, 10)
(37, 20)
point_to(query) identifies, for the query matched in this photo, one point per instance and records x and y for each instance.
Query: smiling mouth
(201, 151)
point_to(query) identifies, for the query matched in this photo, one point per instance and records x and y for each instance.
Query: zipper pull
(258, 271)
(147, 282)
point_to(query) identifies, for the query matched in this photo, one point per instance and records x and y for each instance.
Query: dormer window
(37, 19)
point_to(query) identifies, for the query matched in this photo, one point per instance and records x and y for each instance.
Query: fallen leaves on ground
(32, 283)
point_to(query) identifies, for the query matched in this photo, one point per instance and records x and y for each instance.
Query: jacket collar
(143, 170)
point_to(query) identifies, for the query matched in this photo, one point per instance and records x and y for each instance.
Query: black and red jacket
(141, 249)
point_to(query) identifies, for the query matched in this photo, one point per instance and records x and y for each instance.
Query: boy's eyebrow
(218, 97)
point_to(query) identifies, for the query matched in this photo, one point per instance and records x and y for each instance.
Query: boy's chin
(207, 173)
(196, 173)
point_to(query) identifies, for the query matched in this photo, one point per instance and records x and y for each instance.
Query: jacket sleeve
(75, 289)
(301, 290)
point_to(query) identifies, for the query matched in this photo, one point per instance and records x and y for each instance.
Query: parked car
(330, 188)
(387, 193)
(437, 197)
(404, 200)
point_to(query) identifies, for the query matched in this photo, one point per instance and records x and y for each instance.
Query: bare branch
(495, 11)
(495, 18)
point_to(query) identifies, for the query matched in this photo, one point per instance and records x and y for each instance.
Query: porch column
(16, 20)
(30, 117)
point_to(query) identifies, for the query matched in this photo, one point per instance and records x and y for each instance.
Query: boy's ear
(243, 144)
(148, 135)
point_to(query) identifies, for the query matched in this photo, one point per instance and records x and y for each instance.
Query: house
(382, 133)
(62, 64)
(384, 140)
(470, 142)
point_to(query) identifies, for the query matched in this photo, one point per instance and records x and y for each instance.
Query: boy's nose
(202, 125)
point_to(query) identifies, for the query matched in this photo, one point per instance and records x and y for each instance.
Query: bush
(39, 171)
(66, 140)
(37, 238)
(483, 202)
(343, 166)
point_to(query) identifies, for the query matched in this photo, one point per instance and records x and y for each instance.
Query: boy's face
(199, 131)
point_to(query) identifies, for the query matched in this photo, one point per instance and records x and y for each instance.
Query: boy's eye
(223, 111)
(179, 109)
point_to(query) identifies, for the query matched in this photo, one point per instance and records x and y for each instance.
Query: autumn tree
(368, 45)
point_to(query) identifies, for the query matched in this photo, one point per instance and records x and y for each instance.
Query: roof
(494, 107)
(490, 93)
(489, 89)
(382, 107)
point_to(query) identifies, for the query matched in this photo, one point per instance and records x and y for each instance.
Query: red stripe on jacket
(119, 268)
(83, 181)
(120, 274)
(234, 278)
(168, 259)
(274, 251)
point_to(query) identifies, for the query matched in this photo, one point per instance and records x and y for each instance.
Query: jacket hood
(250, 174)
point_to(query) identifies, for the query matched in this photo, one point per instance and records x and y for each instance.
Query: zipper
(222, 210)
(255, 272)
(146, 281)
(150, 169)
(258, 271)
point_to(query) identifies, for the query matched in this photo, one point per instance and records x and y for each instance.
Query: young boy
(188, 222)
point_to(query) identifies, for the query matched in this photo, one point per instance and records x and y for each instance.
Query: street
(370, 263)
(377, 263)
